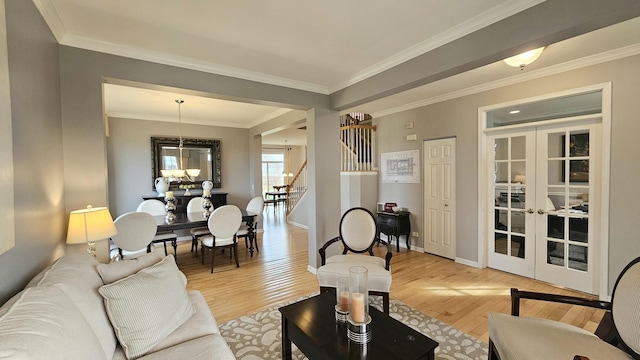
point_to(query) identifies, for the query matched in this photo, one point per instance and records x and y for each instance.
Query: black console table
(395, 224)
(217, 199)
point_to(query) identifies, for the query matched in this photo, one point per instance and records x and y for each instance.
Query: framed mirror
(203, 154)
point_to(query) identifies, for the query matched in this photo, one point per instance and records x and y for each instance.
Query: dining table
(198, 219)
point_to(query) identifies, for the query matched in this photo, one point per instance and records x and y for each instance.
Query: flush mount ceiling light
(524, 59)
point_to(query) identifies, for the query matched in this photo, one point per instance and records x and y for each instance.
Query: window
(272, 169)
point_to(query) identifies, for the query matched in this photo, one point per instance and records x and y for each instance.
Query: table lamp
(86, 226)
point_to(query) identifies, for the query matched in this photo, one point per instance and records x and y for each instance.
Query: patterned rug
(258, 336)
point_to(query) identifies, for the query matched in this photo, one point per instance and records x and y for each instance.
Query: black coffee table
(311, 325)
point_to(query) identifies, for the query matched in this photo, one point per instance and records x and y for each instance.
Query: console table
(217, 199)
(395, 224)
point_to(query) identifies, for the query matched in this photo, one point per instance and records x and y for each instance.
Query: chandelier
(181, 174)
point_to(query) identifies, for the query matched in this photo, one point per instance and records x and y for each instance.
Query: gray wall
(459, 118)
(129, 160)
(40, 218)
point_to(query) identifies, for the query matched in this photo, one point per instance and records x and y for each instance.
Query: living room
(59, 160)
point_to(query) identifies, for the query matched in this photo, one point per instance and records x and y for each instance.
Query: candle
(169, 195)
(344, 301)
(357, 307)
(206, 192)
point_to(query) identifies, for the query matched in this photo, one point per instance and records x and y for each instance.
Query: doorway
(439, 211)
(545, 186)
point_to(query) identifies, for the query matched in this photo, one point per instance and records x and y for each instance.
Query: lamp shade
(90, 225)
(525, 58)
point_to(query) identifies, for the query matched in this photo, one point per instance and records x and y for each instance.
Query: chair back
(135, 230)
(153, 207)
(195, 205)
(358, 229)
(224, 222)
(256, 205)
(626, 307)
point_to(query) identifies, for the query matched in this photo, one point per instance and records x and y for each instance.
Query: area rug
(258, 336)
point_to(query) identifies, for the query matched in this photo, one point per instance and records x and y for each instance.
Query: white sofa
(141, 310)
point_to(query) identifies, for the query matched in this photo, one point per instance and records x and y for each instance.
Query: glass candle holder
(359, 329)
(342, 299)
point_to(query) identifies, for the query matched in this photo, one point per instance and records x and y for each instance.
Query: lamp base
(359, 332)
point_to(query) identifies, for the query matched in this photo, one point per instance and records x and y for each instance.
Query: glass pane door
(564, 249)
(512, 242)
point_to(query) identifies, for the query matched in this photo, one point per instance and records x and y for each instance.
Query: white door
(511, 185)
(542, 181)
(439, 224)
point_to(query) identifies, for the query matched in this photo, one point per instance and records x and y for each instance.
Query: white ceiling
(319, 46)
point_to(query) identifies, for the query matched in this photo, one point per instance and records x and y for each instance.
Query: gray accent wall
(40, 219)
(459, 118)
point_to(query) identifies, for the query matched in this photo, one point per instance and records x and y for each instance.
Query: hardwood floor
(456, 294)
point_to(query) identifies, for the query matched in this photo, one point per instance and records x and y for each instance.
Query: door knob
(540, 211)
(530, 211)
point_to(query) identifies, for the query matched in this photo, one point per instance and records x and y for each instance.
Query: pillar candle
(206, 192)
(357, 307)
(344, 301)
(169, 195)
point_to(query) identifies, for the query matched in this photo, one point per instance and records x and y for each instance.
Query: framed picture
(578, 149)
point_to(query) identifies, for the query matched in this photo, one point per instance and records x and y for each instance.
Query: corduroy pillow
(146, 307)
(123, 268)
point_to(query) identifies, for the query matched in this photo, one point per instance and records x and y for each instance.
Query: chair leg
(166, 253)
(202, 251)
(235, 253)
(385, 303)
(213, 255)
(493, 353)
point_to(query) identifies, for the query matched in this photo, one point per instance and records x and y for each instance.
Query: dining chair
(358, 234)
(156, 208)
(617, 336)
(195, 206)
(223, 224)
(135, 232)
(256, 206)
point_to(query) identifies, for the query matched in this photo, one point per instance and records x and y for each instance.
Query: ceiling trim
(51, 17)
(207, 122)
(612, 55)
(478, 22)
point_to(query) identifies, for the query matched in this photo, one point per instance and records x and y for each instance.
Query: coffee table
(311, 325)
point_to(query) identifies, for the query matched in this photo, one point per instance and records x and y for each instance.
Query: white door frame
(605, 151)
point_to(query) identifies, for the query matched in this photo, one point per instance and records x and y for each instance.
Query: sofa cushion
(121, 269)
(44, 323)
(76, 275)
(147, 306)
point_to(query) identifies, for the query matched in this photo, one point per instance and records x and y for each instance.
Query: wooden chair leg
(493, 353)
(385, 303)
(235, 254)
(166, 253)
(202, 251)
(213, 255)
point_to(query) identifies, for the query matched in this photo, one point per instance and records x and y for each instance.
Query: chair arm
(387, 257)
(324, 247)
(516, 295)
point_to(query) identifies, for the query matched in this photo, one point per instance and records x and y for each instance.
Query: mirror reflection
(198, 160)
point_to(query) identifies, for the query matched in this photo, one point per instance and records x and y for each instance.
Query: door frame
(602, 275)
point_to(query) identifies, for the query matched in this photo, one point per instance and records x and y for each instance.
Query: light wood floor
(458, 295)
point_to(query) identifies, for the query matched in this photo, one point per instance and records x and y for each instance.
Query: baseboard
(298, 225)
(467, 262)
(311, 269)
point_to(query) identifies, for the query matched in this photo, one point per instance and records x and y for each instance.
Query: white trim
(298, 225)
(51, 17)
(311, 269)
(612, 55)
(471, 263)
(359, 173)
(602, 272)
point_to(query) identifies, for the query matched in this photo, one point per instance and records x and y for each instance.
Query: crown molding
(187, 63)
(51, 17)
(612, 55)
(478, 22)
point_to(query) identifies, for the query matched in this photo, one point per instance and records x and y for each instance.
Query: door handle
(530, 211)
(541, 212)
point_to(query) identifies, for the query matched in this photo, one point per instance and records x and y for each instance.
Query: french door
(545, 210)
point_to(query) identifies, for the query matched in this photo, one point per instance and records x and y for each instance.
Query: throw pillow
(123, 268)
(146, 307)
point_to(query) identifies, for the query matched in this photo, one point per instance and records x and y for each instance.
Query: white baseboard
(311, 269)
(298, 225)
(462, 261)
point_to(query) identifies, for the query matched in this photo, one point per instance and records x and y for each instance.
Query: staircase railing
(297, 187)
(358, 141)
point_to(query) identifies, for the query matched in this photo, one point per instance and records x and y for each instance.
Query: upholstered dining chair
(195, 206)
(135, 232)
(358, 234)
(156, 208)
(223, 224)
(617, 336)
(256, 206)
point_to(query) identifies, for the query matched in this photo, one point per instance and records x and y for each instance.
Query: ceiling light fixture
(512, 112)
(180, 174)
(524, 59)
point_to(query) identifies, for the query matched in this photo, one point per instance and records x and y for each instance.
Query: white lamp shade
(525, 58)
(193, 172)
(90, 225)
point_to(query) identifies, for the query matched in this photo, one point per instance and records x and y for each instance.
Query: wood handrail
(370, 127)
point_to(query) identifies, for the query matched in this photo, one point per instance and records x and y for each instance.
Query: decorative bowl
(396, 208)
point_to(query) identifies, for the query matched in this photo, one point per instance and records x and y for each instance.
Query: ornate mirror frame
(157, 144)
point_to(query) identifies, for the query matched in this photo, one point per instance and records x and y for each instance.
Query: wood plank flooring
(456, 294)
